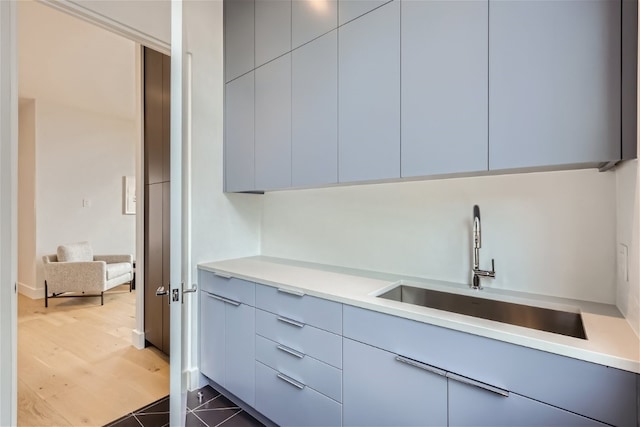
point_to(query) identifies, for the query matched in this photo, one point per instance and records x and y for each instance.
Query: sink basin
(543, 319)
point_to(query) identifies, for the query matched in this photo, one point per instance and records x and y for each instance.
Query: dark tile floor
(215, 410)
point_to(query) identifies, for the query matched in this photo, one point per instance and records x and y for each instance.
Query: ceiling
(65, 60)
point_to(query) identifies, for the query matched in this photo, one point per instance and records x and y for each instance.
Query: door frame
(9, 181)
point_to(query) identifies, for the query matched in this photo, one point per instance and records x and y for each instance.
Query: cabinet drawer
(319, 344)
(567, 383)
(290, 403)
(228, 287)
(305, 369)
(310, 310)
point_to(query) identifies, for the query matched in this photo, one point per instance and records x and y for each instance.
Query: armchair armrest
(84, 276)
(110, 259)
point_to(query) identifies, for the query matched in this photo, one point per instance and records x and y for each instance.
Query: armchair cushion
(118, 269)
(75, 252)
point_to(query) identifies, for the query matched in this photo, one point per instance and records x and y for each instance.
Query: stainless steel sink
(543, 319)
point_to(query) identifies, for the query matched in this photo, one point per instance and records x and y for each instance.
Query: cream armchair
(75, 272)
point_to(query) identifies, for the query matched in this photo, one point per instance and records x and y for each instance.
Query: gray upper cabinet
(554, 82)
(272, 29)
(311, 19)
(315, 112)
(238, 37)
(369, 96)
(351, 9)
(444, 87)
(273, 124)
(239, 139)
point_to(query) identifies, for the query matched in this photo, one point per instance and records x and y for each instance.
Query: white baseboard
(28, 291)
(137, 339)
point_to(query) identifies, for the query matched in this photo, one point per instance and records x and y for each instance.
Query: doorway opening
(75, 357)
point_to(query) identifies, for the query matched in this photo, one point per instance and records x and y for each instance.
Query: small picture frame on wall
(129, 195)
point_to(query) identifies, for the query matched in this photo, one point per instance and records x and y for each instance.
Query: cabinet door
(314, 139)
(273, 124)
(288, 402)
(473, 406)
(554, 82)
(239, 140)
(240, 351)
(311, 19)
(351, 9)
(238, 37)
(273, 29)
(379, 390)
(444, 87)
(369, 96)
(212, 332)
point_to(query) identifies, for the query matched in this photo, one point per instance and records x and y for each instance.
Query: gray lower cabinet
(212, 333)
(273, 124)
(227, 333)
(382, 389)
(227, 337)
(472, 406)
(288, 402)
(314, 134)
(554, 82)
(550, 388)
(369, 96)
(239, 151)
(444, 87)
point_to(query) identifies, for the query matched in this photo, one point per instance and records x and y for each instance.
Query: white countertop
(610, 339)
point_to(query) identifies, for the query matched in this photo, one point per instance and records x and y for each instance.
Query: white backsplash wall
(550, 233)
(628, 234)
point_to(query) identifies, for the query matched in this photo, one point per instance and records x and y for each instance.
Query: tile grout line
(220, 424)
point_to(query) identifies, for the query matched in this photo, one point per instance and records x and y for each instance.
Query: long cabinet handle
(290, 351)
(291, 292)
(291, 381)
(291, 322)
(478, 384)
(223, 275)
(225, 300)
(422, 366)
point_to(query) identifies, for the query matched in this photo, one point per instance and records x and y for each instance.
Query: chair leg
(101, 298)
(46, 295)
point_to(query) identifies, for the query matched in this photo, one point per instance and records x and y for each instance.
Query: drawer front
(314, 342)
(305, 369)
(287, 402)
(596, 391)
(318, 312)
(237, 290)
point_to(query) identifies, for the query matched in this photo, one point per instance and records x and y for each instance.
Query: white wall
(628, 234)
(83, 81)
(82, 155)
(550, 233)
(222, 225)
(26, 194)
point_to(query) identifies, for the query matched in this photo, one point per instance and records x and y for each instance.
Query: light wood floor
(76, 364)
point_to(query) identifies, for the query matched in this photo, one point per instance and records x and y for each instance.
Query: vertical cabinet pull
(291, 322)
(291, 381)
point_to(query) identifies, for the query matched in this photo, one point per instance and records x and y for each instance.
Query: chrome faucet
(477, 244)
